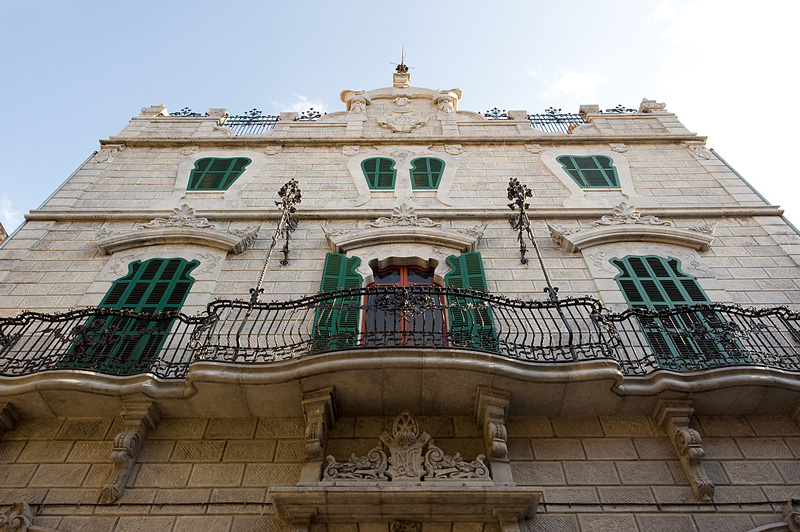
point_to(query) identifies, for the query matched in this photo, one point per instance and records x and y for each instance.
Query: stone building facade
(395, 374)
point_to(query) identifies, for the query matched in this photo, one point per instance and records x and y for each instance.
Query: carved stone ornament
(402, 215)
(155, 110)
(139, 417)
(319, 411)
(534, 148)
(358, 103)
(19, 518)
(491, 411)
(791, 514)
(181, 227)
(706, 229)
(619, 147)
(272, 150)
(698, 150)
(453, 149)
(189, 150)
(221, 131)
(405, 455)
(108, 153)
(182, 216)
(651, 106)
(402, 123)
(405, 526)
(402, 101)
(627, 214)
(674, 416)
(626, 224)
(350, 150)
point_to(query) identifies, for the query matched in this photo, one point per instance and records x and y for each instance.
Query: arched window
(124, 344)
(379, 173)
(657, 283)
(426, 172)
(212, 173)
(593, 171)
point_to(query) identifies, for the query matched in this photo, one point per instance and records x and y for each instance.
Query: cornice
(261, 141)
(541, 213)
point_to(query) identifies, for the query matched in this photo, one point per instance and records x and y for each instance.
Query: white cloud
(9, 217)
(579, 85)
(301, 103)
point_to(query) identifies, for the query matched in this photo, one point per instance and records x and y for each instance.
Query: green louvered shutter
(379, 173)
(124, 345)
(426, 173)
(474, 327)
(657, 283)
(336, 321)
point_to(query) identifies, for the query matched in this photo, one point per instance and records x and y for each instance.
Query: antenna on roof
(402, 68)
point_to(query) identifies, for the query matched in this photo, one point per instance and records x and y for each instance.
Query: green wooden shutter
(426, 173)
(379, 173)
(593, 171)
(336, 320)
(469, 327)
(125, 345)
(213, 173)
(657, 283)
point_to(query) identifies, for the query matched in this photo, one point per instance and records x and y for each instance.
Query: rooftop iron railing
(165, 345)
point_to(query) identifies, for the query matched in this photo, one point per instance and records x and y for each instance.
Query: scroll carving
(139, 417)
(19, 518)
(791, 514)
(674, 417)
(405, 455)
(318, 407)
(491, 411)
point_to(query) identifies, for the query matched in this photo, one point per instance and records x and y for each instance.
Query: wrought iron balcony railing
(165, 345)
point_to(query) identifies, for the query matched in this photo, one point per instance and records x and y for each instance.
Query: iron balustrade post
(518, 193)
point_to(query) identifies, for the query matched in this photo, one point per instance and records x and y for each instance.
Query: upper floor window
(212, 173)
(657, 283)
(426, 172)
(379, 172)
(593, 171)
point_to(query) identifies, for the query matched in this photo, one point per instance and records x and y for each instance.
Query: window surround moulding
(186, 165)
(402, 155)
(594, 197)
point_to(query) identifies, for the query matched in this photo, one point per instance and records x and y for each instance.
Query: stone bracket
(139, 417)
(19, 518)
(491, 410)
(8, 418)
(319, 409)
(673, 416)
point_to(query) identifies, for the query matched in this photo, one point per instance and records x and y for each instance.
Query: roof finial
(402, 68)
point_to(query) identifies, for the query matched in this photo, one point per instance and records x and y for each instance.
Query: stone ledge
(381, 503)
(631, 233)
(228, 242)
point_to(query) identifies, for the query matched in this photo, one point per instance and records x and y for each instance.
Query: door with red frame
(404, 309)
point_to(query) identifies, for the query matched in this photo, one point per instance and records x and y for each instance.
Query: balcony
(639, 341)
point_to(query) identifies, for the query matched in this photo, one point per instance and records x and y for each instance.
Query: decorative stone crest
(349, 151)
(674, 416)
(627, 214)
(402, 101)
(139, 417)
(534, 148)
(182, 216)
(651, 106)
(189, 150)
(19, 518)
(402, 215)
(272, 150)
(706, 229)
(358, 103)
(618, 147)
(155, 110)
(698, 150)
(405, 455)
(402, 123)
(108, 153)
(453, 149)
(404, 526)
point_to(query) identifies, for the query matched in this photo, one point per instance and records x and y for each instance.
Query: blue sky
(76, 72)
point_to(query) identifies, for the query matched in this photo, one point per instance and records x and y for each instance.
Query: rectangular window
(212, 173)
(593, 171)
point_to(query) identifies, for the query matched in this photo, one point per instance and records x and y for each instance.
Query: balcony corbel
(319, 409)
(491, 410)
(673, 415)
(139, 417)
